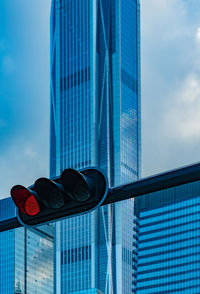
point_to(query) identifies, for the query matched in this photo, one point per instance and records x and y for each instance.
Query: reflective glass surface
(26, 257)
(165, 256)
(95, 121)
(167, 241)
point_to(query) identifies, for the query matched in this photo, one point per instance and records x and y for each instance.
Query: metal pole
(144, 186)
(9, 224)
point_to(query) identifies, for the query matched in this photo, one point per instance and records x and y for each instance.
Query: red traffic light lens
(25, 201)
(31, 206)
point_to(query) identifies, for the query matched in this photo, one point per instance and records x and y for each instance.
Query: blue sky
(24, 91)
(170, 47)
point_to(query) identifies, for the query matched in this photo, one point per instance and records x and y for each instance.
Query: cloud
(30, 152)
(22, 163)
(170, 84)
(24, 92)
(182, 120)
(198, 34)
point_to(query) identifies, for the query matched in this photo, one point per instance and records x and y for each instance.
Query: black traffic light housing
(73, 193)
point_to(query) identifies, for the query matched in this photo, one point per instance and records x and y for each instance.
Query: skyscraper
(95, 121)
(167, 251)
(26, 257)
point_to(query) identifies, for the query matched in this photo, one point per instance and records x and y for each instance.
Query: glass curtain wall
(26, 257)
(95, 121)
(167, 241)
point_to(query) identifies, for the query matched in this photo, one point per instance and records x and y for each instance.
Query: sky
(170, 38)
(170, 71)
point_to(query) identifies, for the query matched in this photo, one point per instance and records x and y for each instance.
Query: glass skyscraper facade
(26, 257)
(167, 241)
(95, 121)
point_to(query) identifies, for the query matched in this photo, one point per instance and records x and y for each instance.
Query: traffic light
(73, 193)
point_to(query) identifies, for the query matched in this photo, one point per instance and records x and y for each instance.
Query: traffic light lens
(31, 206)
(19, 195)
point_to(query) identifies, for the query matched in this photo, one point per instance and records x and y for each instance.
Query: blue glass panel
(95, 121)
(167, 241)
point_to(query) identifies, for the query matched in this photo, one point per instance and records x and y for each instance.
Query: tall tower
(95, 121)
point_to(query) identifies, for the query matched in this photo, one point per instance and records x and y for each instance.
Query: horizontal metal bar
(155, 183)
(144, 186)
(9, 224)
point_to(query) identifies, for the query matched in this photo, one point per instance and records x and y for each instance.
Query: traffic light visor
(77, 185)
(49, 193)
(25, 200)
